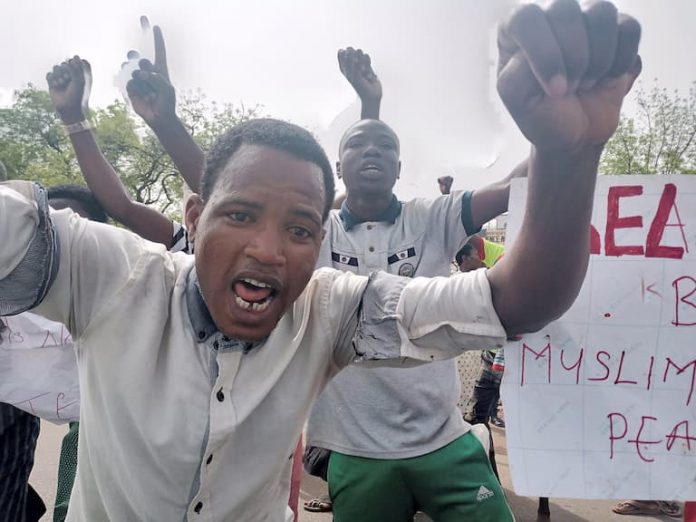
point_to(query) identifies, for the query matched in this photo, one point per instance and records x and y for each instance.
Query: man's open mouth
(253, 295)
(371, 168)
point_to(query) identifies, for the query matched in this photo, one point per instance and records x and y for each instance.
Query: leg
(18, 434)
(67, 469)
(368, 490)
(457, 483)
(486, 395)
(316, 463)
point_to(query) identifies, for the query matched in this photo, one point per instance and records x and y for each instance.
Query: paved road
(45, 471)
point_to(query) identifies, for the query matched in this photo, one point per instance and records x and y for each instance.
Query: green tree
(659, 139)
(33, 145)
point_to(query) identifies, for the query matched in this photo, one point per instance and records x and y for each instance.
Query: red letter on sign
(674, 435)
(537, 356)
(639, 442)
(614, 221)
(612, 436)
(680, 298)
(653, 248)
(595, 241)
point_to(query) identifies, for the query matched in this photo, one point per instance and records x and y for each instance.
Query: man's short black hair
(465, 251)
(276, 134)
(82, 196)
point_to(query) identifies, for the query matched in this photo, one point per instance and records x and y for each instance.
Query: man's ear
(338, 170)
(193, 211)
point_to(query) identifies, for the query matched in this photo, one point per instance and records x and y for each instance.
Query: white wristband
(79, 126)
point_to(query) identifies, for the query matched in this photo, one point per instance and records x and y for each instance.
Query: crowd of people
(202, 348)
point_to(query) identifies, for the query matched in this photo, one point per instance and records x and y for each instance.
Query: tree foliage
(33, 145)
(659, 139)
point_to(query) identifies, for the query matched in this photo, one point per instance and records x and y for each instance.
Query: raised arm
(563, 74)
(154, 100)
(492, 200)
(356, 66)
(69, 86)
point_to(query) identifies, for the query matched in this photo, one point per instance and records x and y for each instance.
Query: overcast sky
(435, 59)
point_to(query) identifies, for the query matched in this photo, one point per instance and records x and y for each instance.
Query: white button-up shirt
(180, 423)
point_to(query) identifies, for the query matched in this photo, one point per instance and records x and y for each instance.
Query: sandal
(636, 507)
(319, 505)
(670, 509)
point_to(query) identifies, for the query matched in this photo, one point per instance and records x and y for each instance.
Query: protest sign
(602, 402)
(38, 368)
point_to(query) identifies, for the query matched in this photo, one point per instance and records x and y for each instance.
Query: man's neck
(369, 207)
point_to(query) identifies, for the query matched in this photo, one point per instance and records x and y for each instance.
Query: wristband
(79, 126)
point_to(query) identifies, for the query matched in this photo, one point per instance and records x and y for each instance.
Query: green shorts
(452, 484)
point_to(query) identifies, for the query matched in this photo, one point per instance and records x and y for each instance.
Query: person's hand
(151, 93)
(445, 184)
(564, 72)
(69, 85)
(355, 65)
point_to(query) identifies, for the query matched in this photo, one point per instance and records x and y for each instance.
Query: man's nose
(266, 246)
(372, 151)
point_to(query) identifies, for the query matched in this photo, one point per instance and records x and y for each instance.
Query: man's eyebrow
(234, 199)
(307, 214)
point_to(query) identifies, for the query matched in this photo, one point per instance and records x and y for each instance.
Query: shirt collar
(202, 322)
(390, 214)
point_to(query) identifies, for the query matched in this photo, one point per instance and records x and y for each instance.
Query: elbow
(532, 315)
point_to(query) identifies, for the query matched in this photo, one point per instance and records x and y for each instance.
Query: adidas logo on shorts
(483, 493)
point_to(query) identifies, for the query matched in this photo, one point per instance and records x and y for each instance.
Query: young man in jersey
(382, 422)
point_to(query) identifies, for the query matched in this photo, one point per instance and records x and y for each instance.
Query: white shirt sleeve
(393, 319)
(18, 221)
(97, 261)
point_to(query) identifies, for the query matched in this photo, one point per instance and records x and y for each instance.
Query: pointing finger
(160, 52)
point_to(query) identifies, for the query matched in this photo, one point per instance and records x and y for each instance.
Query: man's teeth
(256, 307)
(256, 283)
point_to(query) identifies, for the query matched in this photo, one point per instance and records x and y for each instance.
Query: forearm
(185, 153)
(540, 276)
(113, 196)
(101, 177)
(370, 108)
(492, 200)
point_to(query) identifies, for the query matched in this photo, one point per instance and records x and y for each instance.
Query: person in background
(360, 416)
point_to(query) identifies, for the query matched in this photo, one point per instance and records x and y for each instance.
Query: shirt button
(198, 507)
(201, 335)
(371, 249)
(209, 460)
(220, 396)
(370, 227)
(216, 345)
